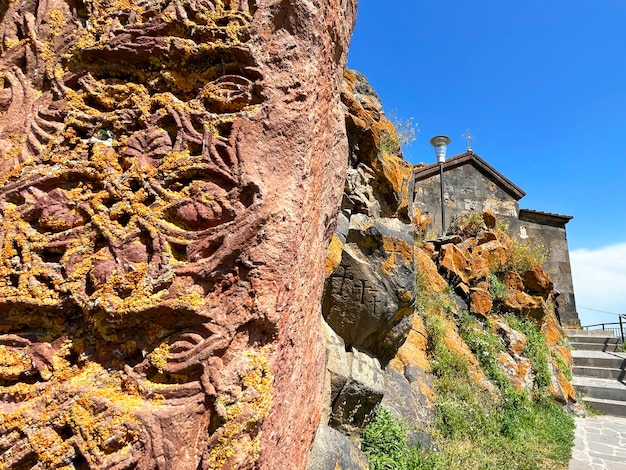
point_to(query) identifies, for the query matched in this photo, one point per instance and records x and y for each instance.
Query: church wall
(553, 237)
(465, 189)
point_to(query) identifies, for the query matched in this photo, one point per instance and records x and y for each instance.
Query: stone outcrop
(170, 172)
(384, 282)
(368, 296)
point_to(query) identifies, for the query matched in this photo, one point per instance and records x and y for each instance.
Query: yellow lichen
(243, 416)
(13, 363)
(333, 255)
(158, 357)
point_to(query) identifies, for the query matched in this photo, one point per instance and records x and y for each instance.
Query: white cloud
(599, 282)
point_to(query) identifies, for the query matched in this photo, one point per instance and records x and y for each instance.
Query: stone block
(337, 369)
(480, 301)
(355, 405)
(333, 450)
(405, 398)
(536, 281)
(343, 226)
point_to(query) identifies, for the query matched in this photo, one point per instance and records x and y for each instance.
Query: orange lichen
(13, 363)
(158, 357)
(394, 246)
(414, 349)
(333, 255)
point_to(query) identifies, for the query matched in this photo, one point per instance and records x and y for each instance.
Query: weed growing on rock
(498, 289)
(526, 255)
(403, 134)
(471, 224)
(386, 445)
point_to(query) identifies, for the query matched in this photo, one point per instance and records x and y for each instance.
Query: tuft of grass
(386, 445)
(497, 288)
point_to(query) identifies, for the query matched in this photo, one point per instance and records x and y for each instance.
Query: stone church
(471, 184)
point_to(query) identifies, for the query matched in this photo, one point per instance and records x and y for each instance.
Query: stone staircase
(599, 370)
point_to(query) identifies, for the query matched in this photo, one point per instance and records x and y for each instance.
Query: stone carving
(123, 212)
(132, 330)
(368, 297)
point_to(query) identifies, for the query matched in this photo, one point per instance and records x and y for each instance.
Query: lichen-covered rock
(514, 340)
(519, 370)
(368, 298)
(537, 282)
(414, 350)
(480, 301)
(169, 174)
(408, 396)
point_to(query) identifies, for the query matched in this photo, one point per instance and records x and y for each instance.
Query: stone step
(570, 332)
(599, 372)
(605, 389)
(597, 347)
(610, 407)
(595, 339)
(599, 359)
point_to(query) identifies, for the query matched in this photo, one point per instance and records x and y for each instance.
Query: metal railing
(618, 328)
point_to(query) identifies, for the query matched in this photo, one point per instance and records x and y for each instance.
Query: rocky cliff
(396, 301)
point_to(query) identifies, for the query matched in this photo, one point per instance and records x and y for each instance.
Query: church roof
(545, 218)
(470, 158)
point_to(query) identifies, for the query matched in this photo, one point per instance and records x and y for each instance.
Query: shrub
(525, 255)
(471, 224)
(403, 134)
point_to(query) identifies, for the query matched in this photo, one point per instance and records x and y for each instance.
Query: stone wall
(467, 187)
(549, 230)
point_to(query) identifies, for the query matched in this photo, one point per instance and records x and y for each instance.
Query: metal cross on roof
(470, 138)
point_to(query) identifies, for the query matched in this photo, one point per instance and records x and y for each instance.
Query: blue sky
(542, 86)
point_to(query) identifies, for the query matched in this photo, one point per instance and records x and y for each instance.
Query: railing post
(621, 327)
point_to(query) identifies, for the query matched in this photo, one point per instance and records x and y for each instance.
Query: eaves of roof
(545, 218)
(481, 165)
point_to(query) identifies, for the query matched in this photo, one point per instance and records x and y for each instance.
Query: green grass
(386, 445)
(504, 429)
(498, 289)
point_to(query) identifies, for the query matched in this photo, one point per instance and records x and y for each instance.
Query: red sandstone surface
(170, 172)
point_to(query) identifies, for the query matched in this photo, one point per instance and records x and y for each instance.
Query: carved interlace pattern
(124, 222)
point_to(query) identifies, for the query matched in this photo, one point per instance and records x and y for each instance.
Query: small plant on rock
(498, 289)
(526, 255)
(386, 445)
